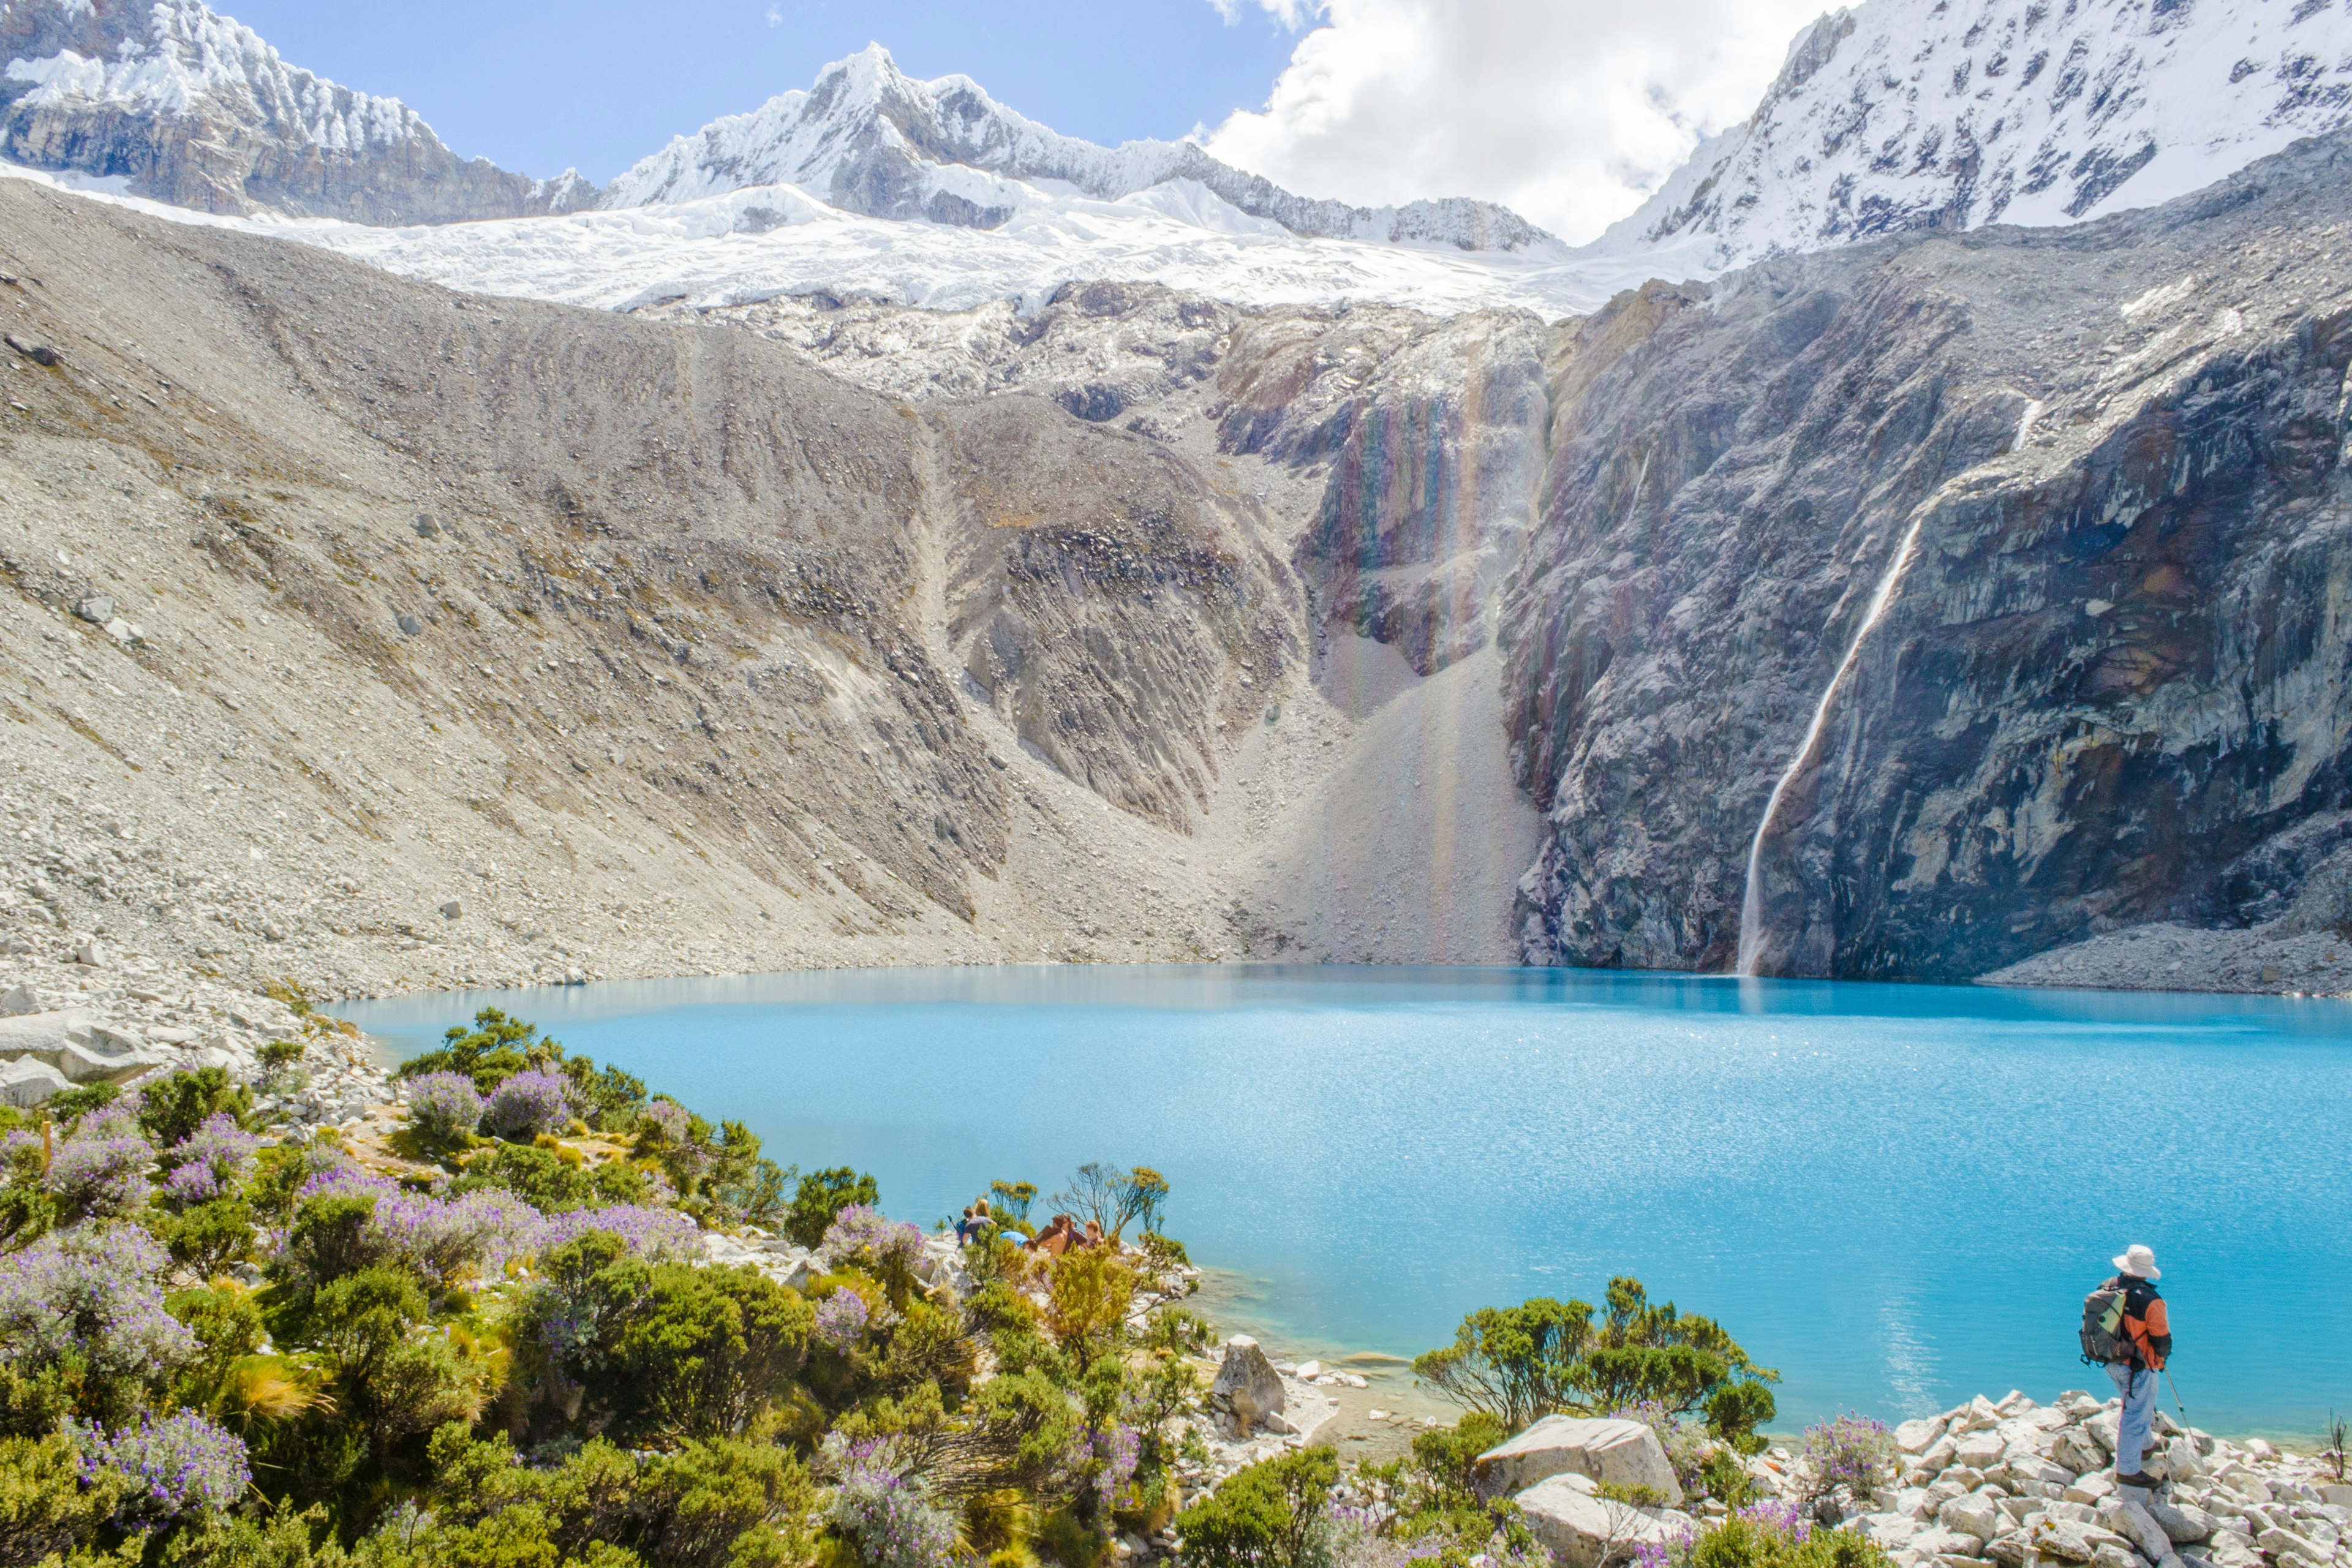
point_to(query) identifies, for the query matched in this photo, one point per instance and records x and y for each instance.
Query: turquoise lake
(1894, 1194)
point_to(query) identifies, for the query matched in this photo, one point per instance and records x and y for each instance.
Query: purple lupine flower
(445, 1105)
(841, 1319)
(94, 1293)
(1852, 1451)
(100, 1171)
(486, 1229)
(528, 1104)
(1786, 1518)
(1119, 1448)
(658, 1236)
(861, 1235)
(889, 1513)
(177, 1464)
(214, 1159)
(667, 1119)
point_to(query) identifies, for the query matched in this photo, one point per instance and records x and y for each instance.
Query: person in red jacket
(2148, 1327)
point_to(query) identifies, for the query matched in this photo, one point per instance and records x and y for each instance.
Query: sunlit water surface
(1895, 1194)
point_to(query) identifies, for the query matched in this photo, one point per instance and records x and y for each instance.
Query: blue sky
(537, 85)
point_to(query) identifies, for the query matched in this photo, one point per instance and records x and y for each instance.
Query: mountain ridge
(871, 140)
(1900, 115)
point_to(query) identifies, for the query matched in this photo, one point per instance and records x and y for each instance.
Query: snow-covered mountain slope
(190, 108)
(1910, 114)
(868, 139)
(772, 241)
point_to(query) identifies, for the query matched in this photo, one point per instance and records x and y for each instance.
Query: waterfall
(1751, 904)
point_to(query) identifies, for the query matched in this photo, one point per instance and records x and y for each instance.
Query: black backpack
(2103, 1339)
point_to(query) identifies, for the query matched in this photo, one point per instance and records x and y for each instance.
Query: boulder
(2010, 1550)
(16, 1002)
(1940, 1453)
(1916, 1437)
(2068, 1540)
(2183, 1521)
(1975, 1514)
(1247, 1385)
(2101, 1429)
(2281, 1544)
(1610, 1452)
(2128, 1517)
(1583, 1529)
(1980, 1450)
(28, 1082)
(1938, 1541)
(1887, 1530)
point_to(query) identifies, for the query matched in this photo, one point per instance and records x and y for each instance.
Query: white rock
(29, 1082)
(1582, 1531)
(1917, 1438)
(1610, 1452)
(1309, 1370)
(1980, 1450)
(1246, 1384)
(16, 1002)
(1975, 1514)
(89, 951)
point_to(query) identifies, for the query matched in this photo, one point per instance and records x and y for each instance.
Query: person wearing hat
(2149, 1329)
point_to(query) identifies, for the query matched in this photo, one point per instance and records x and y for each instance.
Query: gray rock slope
(188, 107)
(380, 634)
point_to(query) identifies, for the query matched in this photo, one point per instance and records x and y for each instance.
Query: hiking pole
(2176, 1394)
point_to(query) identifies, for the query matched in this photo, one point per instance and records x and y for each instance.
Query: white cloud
(776, 16)
(1569, 111)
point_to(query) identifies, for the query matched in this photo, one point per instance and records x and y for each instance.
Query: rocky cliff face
(187, 107)
(2090, 481)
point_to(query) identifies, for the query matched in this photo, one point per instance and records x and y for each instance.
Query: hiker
(2145, 1337)
(1056, 1238)
(975, 1220)
(1094, 1236)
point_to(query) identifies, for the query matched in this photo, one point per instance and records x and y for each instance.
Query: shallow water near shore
(1895, 1194)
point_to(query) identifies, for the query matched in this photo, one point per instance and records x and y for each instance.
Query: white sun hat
(2139, 1262)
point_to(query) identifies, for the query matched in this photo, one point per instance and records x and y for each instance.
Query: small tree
(1012, 1198)
(1520, 1363)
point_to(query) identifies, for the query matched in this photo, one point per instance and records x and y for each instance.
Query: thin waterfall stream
(1751, 903)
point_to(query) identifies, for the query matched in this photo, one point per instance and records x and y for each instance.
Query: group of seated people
(1059, 1235)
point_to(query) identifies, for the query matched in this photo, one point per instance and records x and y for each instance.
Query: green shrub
(45, 1507)
(1270, 1515)
(1770, 1537)
(609, 1098)
(663, 1349)
(331, 1237)
(821, 1195)
(209, 1236)
(72, 1104)
(172, 1108)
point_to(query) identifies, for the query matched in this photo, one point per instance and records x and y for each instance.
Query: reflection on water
(1895, 1194)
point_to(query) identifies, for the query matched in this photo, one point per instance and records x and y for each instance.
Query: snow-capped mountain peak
(187, 106)
(1908, 114)
(869, 139)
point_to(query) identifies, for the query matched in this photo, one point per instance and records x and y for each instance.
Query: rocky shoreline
(1988, 1484)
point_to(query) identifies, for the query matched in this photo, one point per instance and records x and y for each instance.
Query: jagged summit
(1907, 114)
(869, 139)
(188, 107)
